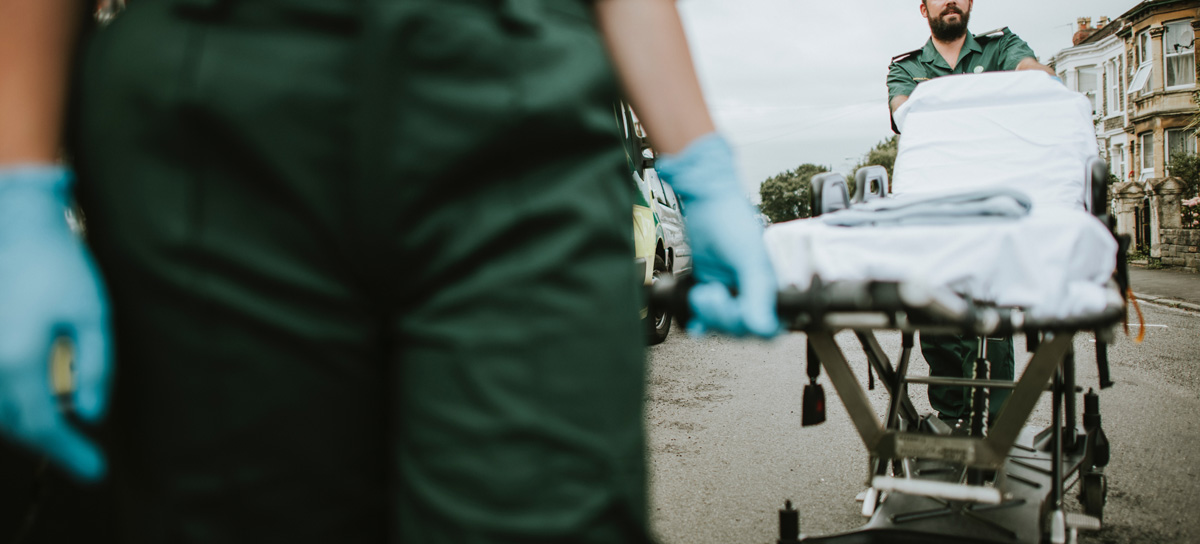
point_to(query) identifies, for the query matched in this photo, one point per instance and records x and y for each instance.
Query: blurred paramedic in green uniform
(362, 268)
(951, 49)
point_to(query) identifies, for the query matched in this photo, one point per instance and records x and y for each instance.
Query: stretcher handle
(821, 298)
(921, 306)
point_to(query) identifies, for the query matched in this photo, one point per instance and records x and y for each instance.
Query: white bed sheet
(1020, 130)
(1055, 264)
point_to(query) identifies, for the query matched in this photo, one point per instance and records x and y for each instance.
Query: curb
(1168, 302)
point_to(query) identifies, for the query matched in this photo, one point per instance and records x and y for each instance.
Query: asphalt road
(727, 447)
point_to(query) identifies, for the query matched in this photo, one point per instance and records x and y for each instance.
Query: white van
(676, 250)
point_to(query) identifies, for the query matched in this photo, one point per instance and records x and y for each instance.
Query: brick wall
(1178, 247)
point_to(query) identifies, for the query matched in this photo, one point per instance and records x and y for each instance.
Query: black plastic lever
(812, 409)
(1102, 364)
(789, 524)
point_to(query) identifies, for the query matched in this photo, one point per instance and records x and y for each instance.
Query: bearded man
(953, 50)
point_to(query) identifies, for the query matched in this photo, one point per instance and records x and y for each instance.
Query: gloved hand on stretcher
(49, 288)
(727, 242)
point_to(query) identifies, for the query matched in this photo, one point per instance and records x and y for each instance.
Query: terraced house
(1139, 71)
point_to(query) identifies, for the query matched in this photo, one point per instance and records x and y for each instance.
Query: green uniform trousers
(370, 264)
(953, 356)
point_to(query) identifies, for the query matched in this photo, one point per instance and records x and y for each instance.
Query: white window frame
(1140, 79)
(1169, 54)
(1094, 93)
(1145, 58)
(1113, 81)
(1145, 48)
(1116, 160)
(1147, 154)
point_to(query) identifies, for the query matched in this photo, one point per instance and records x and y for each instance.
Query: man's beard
(948, 32)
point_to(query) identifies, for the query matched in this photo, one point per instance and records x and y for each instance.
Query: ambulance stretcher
(1033, 253)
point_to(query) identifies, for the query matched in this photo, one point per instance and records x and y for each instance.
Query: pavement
(1166, 287)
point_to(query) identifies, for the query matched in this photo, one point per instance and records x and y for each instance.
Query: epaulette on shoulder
(991, 34)
(903, 56)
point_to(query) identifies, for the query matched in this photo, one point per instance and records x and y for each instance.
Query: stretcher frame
(1059, 457)
(1003, 484)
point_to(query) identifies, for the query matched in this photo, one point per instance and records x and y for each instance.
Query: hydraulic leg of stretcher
(929, 486)
(1001, 483)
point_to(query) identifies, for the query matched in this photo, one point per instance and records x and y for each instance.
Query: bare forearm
(897, 101)
(649, 48)
(1030, 63)
(36, 40)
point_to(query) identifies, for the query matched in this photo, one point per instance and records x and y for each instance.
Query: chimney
(1103, 22)
(1085, 30)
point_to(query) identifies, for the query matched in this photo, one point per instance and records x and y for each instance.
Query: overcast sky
(798, 81)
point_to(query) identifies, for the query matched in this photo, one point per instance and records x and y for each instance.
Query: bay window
(1179, 57)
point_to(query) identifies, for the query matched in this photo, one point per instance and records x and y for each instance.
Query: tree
(1186, 167)
(785, 195)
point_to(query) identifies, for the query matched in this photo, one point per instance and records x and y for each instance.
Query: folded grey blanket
(969, 207)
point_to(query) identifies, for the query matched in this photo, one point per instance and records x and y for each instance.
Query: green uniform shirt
(993, 51)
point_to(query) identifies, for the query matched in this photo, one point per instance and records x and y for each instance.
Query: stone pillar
(1179, 245)
(1158, 79)
(1126, 197)
(1170, 195)
(1155, 224)
(1165, 220)
(1187, 243)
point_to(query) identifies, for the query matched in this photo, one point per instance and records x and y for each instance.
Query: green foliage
(1141, 256)
(1186, 167)
(785, 195)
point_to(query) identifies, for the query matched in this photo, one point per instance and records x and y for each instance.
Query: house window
(1179, 142)
(1113, 81)
(1144, 51)
(1087, 82)
(1179, 55)
(1147, 145)
(1142, 76)
(1116, 160)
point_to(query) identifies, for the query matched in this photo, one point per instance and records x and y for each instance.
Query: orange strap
(1141, 320)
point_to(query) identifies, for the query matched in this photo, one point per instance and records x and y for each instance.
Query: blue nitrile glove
(727, 242)
(49, 288)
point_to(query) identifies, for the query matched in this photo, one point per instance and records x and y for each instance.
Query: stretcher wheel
(1093, 494)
